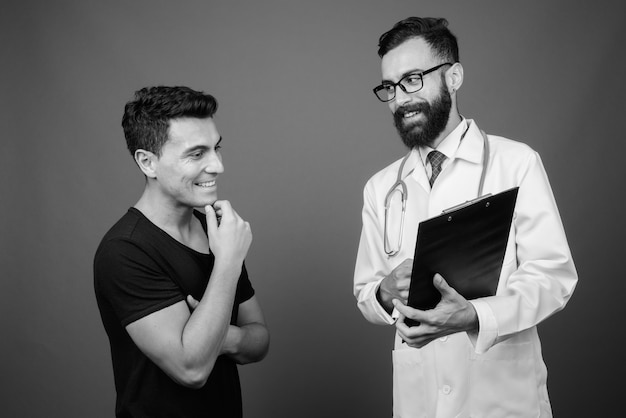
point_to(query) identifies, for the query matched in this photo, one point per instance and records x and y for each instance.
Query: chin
(209, 202)
(201, 203)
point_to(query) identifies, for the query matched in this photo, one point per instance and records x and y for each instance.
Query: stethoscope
(400, 186)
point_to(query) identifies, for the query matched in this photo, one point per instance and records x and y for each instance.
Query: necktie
(436, 158)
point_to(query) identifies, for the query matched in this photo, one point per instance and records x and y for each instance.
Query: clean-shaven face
(419, 117)
(190, 163)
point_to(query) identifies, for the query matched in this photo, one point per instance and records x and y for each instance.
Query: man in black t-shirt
(171, 286)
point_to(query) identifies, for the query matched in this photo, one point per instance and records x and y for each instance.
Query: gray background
(302, 134)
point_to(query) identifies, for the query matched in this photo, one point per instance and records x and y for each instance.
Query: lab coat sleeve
(545, 276)
(370, 262)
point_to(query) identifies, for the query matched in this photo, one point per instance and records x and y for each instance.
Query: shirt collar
(449, 145)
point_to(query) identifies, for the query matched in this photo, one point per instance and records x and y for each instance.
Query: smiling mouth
(410, 114)
(207, 184)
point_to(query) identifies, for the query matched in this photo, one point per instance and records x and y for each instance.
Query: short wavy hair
(147, 118)
(433, 30)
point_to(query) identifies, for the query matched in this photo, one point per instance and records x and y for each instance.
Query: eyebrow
(415, 71)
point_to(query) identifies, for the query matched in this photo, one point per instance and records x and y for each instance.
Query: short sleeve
(245, 291)
(131, 282)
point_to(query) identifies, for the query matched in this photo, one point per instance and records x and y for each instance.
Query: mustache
(412, 107)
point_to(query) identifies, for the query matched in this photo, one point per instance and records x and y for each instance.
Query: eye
(413, 80)
(388, 88)
(196, 154)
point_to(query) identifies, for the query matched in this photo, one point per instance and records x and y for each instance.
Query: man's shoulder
(503, 146)
(129, 232)
(504, 143)
(124, 228)
(510, 150)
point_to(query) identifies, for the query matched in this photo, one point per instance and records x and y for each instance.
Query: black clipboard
(466, 245)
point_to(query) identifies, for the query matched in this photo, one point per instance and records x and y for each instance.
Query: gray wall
(303, 132)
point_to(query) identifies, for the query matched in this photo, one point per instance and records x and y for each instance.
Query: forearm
(247, 344)
(207, 327)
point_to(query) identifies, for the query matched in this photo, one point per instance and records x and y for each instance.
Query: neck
(164, 213)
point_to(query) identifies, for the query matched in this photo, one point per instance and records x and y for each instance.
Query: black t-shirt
(138, 270)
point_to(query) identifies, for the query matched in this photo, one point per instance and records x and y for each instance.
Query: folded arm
(248, 341)
(185, 344)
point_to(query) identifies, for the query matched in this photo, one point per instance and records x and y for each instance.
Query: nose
(214, 164)
(402, 97)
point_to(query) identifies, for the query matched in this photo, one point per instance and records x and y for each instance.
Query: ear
(454, 77)
(146, 161)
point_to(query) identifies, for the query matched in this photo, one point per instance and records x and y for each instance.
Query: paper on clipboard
(466, 245)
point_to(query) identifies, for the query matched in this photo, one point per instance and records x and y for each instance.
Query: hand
(233, 333)
(229, 240)
(452, 314)
(193, 304)
(396, 285)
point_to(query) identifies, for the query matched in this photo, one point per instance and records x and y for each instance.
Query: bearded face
(419, 124)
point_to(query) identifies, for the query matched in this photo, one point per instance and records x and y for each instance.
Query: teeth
(207, 183)
(410, 114)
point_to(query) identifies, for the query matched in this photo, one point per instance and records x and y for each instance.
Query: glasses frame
(404, 88)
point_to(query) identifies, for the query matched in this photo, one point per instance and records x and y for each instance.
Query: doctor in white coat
(467, 358)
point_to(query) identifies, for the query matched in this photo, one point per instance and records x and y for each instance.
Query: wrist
(225, 267)
(232, 341)
(384, 297)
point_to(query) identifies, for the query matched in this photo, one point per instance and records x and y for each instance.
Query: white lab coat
(498, 371)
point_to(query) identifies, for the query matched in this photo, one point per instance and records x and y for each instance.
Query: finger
(218, 206)
(402, 308)
(405, 269)
(409, 334)
(408, 262)
(407, 311)
(211, 219)
(193, 304)
(222, 206)
(401, 327)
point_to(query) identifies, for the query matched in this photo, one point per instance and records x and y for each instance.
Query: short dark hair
(147, 118)
(433, 30)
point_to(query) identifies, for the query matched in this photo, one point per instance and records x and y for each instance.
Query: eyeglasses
(410, 83)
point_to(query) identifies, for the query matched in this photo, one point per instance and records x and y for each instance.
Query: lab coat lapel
(471, 147)
(459, 182)
(419, 172)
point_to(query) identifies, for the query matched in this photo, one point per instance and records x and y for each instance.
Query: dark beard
(424, 133)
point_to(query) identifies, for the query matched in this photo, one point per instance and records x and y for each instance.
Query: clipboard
(466, 245)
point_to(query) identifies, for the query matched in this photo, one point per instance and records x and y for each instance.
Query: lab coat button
(443, 339)
(446, 389)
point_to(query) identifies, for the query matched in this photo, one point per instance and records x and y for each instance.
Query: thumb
(442, 286)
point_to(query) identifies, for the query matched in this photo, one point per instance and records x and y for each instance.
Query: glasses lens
(385, 92)
(412, 83)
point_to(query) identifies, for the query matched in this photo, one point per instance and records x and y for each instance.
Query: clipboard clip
(467, 203)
